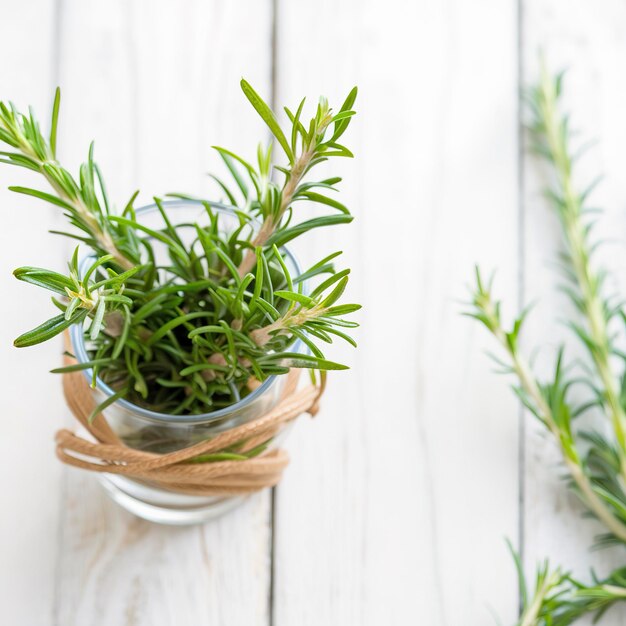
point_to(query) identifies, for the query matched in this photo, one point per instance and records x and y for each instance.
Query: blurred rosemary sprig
(595, 459)
(203, 328)
(558, 599)
(550, 403)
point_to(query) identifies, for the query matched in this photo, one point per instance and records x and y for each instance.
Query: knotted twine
(173, 470)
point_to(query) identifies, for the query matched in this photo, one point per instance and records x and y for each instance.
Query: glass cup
(142, 429)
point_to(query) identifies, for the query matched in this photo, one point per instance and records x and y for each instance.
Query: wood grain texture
(588, 39)
(32, 406)
(401, 491)
(156, 84)
(387, 514)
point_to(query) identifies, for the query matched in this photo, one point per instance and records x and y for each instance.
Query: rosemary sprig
(79, 199)
(550, 132)
(558, 599)
(308, 147)
(550, 403)
(595, 460)
(203, 328)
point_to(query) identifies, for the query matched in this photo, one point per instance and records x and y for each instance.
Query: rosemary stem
(103, 237)
(530, 616)
(614, 590)
(570, 456)
(272, 221)
(597, 473)
(587, 280)
(571, 459)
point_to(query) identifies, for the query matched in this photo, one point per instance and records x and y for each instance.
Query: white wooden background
(401, 492)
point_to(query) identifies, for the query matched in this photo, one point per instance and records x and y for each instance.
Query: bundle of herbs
(595, 458)
(187, 318)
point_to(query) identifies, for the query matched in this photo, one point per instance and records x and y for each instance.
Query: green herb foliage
(197, 331)
(595, 459)
(559, 599)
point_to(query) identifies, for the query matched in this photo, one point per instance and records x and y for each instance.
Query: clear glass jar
(147, 430)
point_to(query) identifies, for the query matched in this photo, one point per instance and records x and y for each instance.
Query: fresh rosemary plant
(186, 324)
(595, 459)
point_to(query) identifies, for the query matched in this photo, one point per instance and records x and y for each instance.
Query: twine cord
(173, 470)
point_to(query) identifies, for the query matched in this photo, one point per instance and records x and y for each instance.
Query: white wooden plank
(401, 490)
(588, 39)
(32, 407)
(156, 83)
(118, 569)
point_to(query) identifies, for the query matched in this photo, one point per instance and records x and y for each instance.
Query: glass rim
(78, 342)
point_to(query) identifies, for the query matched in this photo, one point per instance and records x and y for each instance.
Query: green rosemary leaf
(44, 278)
(322, 267)
(321, 199)
(96, 324)
(107, 403)
(103, 191)
(171, 231)
(225, 189)
(114, 278)
(123, 337)
(42, 195)
(268, 308)
(335, 294)
(93, 267)
(77, 367)
(307, 339)
(267, 115)
(159, 236)
(217, 457)
(86, 240)
(224, 153)
(232, 268)
(342, 124)
(297, 128)
(295, 297)
(232, 168)
(294, 359)
(172, 324)
(20, 161)
(200, 367)
(117, 298)
(329, 282)
(344, 336)
(281, 237)
(47, 330)
(342, 309)
(129, 210)
(342, 116)
(339, 151)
